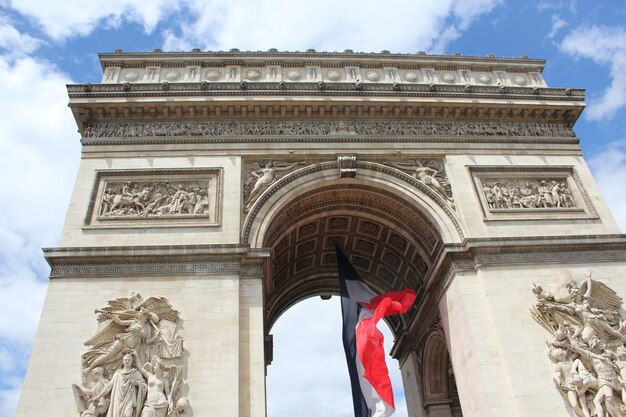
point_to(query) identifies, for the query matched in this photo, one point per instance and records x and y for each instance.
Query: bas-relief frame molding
(583, 210)
(214, 218)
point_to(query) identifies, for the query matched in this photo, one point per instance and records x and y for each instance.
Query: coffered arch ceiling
(387, 238)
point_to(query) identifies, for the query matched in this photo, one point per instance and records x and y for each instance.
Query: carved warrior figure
(136, 199)
(430, 173)
(118, 379)
(588, 336)
(523, 194)
(261, 175)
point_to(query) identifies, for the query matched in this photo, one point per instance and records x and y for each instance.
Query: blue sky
(45, 44)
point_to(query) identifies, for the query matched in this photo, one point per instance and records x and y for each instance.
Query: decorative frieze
(326, 128)
(525, 192)
(133, 198)
(350, 71)
(114, 269)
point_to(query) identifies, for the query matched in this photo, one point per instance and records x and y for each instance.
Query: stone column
(251, 340)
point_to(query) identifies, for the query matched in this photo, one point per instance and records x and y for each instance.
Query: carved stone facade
(261, 175)
(326, 128)
(531, 192)
(587, 343)
(223, 180)
(483, 74)
(134, 365)
(128, 196)
(430, 173)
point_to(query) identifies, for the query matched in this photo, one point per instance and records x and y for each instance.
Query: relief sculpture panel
(587, 335)
(325, 127)
(139, 197)
(527, 194)
(261, 175)
(516, 193)
(431, 173)
(134, 362)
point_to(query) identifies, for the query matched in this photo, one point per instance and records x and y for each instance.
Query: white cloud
(609, 168)
(606, 46)
(324, 25)
(8, 401)
(309, 362)
(557, 24)
(39, 154)
(290, 25)
(14, 43)
(63, 19)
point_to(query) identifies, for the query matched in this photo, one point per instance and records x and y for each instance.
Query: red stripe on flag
(369, 340)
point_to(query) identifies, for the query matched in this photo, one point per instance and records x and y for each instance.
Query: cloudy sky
(45, 44)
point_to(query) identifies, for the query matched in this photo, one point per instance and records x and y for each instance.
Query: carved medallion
(213, 74)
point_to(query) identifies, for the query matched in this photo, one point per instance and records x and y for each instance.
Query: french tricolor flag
(372, 394)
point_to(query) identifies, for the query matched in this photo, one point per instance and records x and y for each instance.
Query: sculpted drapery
(133, 367)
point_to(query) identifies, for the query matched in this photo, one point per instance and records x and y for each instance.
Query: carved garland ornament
(325, 127)
(134, 364)
(587, 336)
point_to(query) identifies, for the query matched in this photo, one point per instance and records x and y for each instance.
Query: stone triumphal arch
(214, 185)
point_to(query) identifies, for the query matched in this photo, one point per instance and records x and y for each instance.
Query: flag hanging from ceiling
(372, 394)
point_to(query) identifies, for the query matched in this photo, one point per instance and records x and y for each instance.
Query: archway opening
(388, 239)
(391, 240)
(308, 349)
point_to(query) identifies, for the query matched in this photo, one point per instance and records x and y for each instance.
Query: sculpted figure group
(519, 194)
(430, 173)
(319, 128)
(154, 199)
(587, 346)
(134, 365)
(261, 175)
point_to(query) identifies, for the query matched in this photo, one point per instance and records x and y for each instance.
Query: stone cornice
(187, 102)
(235, 56)
(347, 89)
(251, 91)
(196, 85)
(154, 260)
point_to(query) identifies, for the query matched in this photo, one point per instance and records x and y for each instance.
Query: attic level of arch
(311, 56)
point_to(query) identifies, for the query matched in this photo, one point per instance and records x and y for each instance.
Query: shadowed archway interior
(388, 239)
